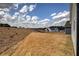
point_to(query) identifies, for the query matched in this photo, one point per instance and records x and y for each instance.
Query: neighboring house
(55, 29)
(68, 27)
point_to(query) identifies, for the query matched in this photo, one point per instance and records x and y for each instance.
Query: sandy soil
(11, 36)
(29, 43)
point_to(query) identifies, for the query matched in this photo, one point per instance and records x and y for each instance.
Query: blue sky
(44, 10)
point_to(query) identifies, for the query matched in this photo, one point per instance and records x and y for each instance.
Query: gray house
(68, 27)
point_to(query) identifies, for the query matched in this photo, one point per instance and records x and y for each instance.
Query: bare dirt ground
(11, 36)
(29, 43)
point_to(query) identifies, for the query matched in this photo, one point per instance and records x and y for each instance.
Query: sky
(34, 15)
(45, 10)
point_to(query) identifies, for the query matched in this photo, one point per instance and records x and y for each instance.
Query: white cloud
(45, 20)
(16, 14)
(2, 13)
(60, 19)
(4, 9)
(32, 7)
(14, 17)
(24, 9)
(34, 19)
(62, 22)
(28, 17)
(53, 14)
(6, 19)
(61, 14)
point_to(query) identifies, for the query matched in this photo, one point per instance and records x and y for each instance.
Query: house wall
(73, 17)
(68, 30)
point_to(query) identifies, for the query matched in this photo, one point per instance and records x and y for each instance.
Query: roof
(68, 24)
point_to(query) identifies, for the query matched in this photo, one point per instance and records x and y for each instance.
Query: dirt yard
(11, 36)
(22, 42)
